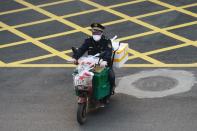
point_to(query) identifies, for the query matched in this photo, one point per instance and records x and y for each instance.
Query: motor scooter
(91, 84)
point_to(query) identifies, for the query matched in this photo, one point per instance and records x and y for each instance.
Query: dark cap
(97, 26)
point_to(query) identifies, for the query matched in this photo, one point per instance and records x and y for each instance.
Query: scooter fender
(82, 100)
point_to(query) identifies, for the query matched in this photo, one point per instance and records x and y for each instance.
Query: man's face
(97, 34)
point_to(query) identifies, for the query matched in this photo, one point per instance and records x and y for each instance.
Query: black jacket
(93, 47)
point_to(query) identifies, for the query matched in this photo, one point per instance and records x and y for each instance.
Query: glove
(72, 60)
(103, 64)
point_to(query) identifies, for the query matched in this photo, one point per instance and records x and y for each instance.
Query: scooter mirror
(114, 38)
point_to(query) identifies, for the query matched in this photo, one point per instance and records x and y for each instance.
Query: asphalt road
(43, 99)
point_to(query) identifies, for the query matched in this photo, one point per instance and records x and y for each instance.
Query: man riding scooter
(98, 43)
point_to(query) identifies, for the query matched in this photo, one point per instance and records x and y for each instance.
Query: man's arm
(82, 49)
(108, 52)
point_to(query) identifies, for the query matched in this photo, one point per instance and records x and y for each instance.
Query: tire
(81, 113)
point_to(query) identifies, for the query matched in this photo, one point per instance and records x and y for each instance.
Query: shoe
(107, 101)
(100, 104)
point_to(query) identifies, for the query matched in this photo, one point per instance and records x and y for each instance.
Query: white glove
(72, 60)
(103, 64)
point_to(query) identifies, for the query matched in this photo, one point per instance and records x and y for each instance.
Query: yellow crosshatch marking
(105, 24)
(174, 8)
(38, 9)
(26, 8)
(94, 10)
(77, 27)
(39, 57)
(132, 19)
(65, 54)
(38, 43)
(165, 49)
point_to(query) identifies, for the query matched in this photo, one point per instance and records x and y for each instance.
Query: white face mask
(96, 37)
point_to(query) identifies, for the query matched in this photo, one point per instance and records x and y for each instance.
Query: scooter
(91, 84)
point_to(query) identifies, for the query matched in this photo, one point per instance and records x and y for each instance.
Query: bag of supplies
(121, 55)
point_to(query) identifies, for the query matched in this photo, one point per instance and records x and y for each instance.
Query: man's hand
(72, 60)
(103, 63)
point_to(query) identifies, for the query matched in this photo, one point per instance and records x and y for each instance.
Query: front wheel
(82, 113)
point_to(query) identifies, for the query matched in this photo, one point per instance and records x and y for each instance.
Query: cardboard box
(121, 55)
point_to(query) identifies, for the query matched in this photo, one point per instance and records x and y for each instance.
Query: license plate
(79, 82)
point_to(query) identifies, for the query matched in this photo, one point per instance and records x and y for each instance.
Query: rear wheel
(81, 113)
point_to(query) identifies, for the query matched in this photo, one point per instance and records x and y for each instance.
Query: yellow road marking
(74, 31)
(153, 13)
(80, 13)
(50, 36)
(2, 63)
(126, 3)
(63, 33)
(120, 39)
(174, 8)
(130, 57)
(13, 11)
(40, 10)
(32, 23)
(94, 10)
(170, 48)
(70, 15)
(56, 35)
(165, 49)
(13, 44)
(51, 19)
(113, 22)
(58, 2)
(55, 3)
(105, 24)
(26, 8)
(124, 20)
(137, 21)
(153, 32)
(147, 58)
(38, 58)
(74, 25)
(36, 42)
(136, 36)
(72, 65)
(164, 11)
(38, 65)
(164, 65)
(33, 59)
(181, 25)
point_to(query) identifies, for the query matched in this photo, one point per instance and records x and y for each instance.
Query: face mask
(96, 37)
